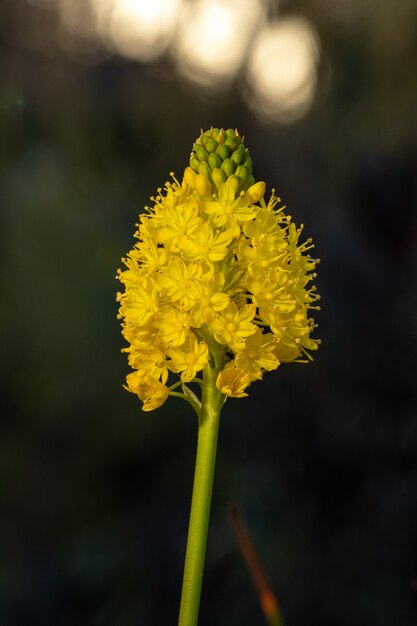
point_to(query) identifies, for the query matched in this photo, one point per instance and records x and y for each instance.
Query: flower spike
(218, 274)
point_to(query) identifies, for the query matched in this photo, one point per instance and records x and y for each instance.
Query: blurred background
(99, 101)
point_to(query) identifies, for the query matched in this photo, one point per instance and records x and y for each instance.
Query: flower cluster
(217, 271)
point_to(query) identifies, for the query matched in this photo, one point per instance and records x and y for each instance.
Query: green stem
(212, 401)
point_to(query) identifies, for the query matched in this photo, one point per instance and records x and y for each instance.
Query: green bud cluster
(218, 154)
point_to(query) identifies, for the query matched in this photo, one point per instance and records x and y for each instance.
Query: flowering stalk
(217, 283)
(208, 426)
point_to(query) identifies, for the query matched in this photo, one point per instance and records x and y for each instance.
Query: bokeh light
(213, 38)
(137, 29)
(282, 70)
(210, 42)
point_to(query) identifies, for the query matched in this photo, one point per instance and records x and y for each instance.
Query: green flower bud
(233, 139)
(214, 161)
(248, 182)
(205, 170)
(218, 177)
(217, 134)
(247, 162)
(201, 153)
(231, 143)
(195, 163)
(228, 167)
(223, 151)
(238, 155)
(242, 173)
(210, 145)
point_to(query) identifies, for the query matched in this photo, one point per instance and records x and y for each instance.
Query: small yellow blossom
(256, 192)
(233, 325)
(230, 208)
(151, 358)
(177, 280)
(189, 359)
(180, 222)
(258, 354)
(206, 244)
(219, 277)
(232, 381)
(152, 392)
(173, 325)
(140, 302)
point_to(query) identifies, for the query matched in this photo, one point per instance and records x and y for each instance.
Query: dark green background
(321, 458)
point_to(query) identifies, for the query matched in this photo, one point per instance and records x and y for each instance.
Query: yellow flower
(258, 354)
(180, 222)
(178, 279)
(218, 277)
(152, 392)
(233, 325)
(189, 359)
(150, 358)
(208, 299)
(140, 302)
(205, 244)
(230, 207)
(173, 325)
(232, 381)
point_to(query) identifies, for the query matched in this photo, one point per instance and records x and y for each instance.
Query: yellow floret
(189, 359)
(152, 392)
(232, 382)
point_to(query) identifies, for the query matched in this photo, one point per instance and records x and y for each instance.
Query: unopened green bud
(201, 153)
(233, 139)
(238, 155)
(248, 183)
(228, 167)
(210, 145)
(218, 177)
(205, 170)
(222, 136)
(214, 161)
(242, 173)
(217, 134)
(195, 163)
(231, 143)
(223, 151)
(247, 162)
